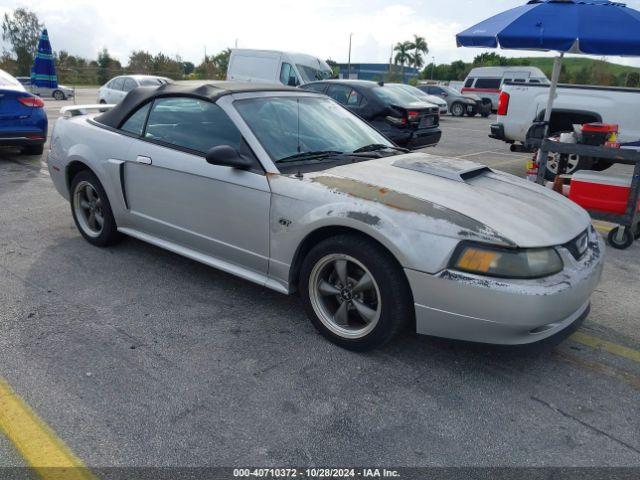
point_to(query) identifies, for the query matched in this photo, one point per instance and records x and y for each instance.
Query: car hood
(509, 210)
(472, 96)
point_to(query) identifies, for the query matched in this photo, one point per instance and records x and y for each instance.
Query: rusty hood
(519, 212)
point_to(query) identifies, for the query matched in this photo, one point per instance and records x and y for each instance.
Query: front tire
(354, 292)
(59, 95)
(91, 210)
(457, 109)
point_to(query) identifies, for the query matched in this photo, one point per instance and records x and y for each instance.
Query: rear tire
(354, 292)
(91, 210)
(575, 163)
(32, 150)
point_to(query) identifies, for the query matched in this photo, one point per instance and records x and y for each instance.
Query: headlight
(505, 263)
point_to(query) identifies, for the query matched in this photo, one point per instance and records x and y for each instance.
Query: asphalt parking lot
(134, 356)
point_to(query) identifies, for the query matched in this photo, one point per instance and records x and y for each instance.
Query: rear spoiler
(77, 110)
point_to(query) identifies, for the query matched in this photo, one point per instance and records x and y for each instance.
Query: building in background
(376, 71)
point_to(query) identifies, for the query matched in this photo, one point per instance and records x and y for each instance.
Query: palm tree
(403, 55)
(420, 48)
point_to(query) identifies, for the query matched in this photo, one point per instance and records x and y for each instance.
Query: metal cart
(628, 228)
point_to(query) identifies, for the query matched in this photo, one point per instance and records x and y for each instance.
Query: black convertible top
(205, 90)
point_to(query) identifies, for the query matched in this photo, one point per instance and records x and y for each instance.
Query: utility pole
(433, 66)
(349, 62)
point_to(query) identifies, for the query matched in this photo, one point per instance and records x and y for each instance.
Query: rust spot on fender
(408, 203)
(364, 217)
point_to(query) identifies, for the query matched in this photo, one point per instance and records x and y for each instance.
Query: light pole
(433, 66)
(349, 61)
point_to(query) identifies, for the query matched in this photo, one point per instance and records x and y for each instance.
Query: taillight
(503, 103)
(34, 102)
(396, 120)
(412, 115)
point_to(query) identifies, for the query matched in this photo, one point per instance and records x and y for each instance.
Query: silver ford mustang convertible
(288, 189)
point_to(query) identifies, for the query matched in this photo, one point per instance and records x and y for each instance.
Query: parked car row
(459, 104)
(402, 117)
(61, 92)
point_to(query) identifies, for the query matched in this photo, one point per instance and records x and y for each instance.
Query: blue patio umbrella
(43, 72)
(595, 27)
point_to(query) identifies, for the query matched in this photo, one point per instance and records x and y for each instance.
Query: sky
(317, 27)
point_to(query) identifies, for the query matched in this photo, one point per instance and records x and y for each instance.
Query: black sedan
(399, 116)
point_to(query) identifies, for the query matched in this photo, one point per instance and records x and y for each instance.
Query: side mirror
(293, 82)
(227, 156)
(445, 94)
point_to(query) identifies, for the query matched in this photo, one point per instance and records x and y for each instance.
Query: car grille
(578, 246)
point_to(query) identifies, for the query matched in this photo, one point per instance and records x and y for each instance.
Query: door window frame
(245, 148)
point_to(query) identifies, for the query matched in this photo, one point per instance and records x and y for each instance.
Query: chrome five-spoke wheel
(345, 296)
(88, 209)
(92, 211)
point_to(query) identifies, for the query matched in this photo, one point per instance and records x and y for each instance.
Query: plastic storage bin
(601, 191)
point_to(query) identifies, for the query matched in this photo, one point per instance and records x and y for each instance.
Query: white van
(271, 66)
(486, 82)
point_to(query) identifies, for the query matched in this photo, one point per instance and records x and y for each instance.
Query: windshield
(451, 91)
(396, 96)
(416, 92)
(289, 126)
(310, 74)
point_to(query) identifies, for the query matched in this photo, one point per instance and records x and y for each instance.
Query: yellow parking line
(37, 443)
(614, 348)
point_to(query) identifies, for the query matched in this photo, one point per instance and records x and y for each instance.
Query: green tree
(632, 80)
(420, 49)
(107, 67)
(403, 55)
(140, 62)
(490, 59)
(582, 76)
(21, 29)
(188, 68)
(167, 66)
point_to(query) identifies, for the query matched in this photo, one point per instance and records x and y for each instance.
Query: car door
(173, 194)
(349, 97)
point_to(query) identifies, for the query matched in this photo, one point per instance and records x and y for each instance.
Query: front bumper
(510, 312)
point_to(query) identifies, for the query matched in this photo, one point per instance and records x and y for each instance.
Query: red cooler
(601, 191)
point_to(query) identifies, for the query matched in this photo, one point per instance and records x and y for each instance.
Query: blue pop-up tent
(43, 72)
(595, 27)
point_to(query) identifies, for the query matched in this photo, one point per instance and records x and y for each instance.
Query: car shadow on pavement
(166, 360)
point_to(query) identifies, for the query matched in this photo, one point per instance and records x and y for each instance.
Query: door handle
(144, 160)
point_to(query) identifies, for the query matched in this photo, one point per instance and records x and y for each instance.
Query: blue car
(23, 120)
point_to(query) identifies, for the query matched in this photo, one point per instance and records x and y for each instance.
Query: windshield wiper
(310, 155)
(374, 147)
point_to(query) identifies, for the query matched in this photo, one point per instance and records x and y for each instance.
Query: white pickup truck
(522, 105)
